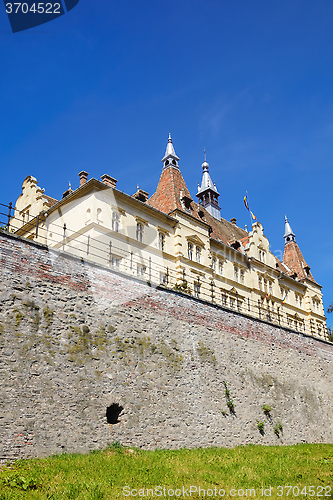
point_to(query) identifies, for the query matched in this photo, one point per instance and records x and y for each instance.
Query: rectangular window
(139, 232)
(196, 289)
(140, 270)
(115, 262)
(242, 276)
(236, 273)
(214, 264)
(115, 221)
(198, 254)
(161, 241)
(260, 282)
(224, 299)
(163, 278)
(190, 251)
(221, 267)
(232, 302)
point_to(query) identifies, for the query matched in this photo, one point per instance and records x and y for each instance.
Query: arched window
(161, 241)
(190, 250)
(139, 232)
(115, 222)
(198, 254)
(99, 215)
(88, 215)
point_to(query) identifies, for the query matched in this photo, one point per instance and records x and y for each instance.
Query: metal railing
(134, 264)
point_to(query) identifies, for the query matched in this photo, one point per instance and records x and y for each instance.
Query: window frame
(139, 232)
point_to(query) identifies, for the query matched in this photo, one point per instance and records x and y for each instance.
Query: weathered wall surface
(75, 338)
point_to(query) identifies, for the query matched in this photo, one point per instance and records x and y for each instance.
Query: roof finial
(69, 185)
(205, 155)
(169, 140)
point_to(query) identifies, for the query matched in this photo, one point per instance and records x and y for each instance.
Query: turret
(288, 233)
(170, 158)
(207, 193)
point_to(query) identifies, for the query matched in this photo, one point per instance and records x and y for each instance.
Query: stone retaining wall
(76, 338)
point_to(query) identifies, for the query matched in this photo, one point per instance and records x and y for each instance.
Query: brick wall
(76, 338)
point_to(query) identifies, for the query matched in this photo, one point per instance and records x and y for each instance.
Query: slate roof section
(294, 260)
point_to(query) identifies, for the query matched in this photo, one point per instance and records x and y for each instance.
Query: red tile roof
(167, 195)
(50, 201)
(293, 258)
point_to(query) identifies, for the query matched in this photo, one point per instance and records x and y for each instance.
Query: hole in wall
(112, 413)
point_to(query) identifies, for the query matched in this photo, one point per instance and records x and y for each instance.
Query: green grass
(102, 475)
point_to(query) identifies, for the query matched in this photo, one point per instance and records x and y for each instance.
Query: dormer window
(187, 202)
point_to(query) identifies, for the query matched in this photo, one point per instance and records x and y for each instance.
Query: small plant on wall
(278, 429)
(261, 426)
(267, 409)
(230, 403)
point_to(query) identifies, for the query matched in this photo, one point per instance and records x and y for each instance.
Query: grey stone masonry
(79, 341)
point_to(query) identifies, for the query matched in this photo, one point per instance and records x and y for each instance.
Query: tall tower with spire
(292, 255)
(207, 194)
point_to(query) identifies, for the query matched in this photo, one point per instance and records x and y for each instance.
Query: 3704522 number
(36, 8)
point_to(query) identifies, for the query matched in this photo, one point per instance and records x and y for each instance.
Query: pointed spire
(207, 193)
(288, 233)
(170, 158)
(206, 182)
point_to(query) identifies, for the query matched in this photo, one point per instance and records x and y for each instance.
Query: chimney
(83, 177)
(233, 221)
(109, 181)
(141, 195)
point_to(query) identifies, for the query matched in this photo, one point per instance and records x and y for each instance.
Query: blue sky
(100, 88)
